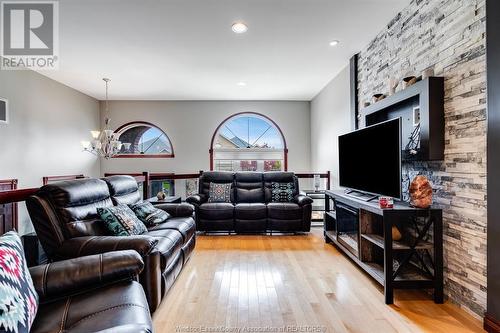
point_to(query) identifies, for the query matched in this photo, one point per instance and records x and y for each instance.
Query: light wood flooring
(266, 283)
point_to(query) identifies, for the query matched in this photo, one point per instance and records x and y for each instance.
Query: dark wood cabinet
(363, 231)
(8, 212)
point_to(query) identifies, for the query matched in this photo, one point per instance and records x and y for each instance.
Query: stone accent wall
(448, 36)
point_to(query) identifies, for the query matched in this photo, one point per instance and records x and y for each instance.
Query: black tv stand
(363, 232)
(361, 195)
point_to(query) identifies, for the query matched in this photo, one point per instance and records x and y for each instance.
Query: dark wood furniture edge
(48, 179)
(491, 325)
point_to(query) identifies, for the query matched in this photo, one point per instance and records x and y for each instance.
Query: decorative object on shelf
(366, 104)
(317, 182)
(393, 84)
(105, 143)
(161, 195)
(428, 72)
(396, 234)
(420, 192)
(377, 97)
(413, 145)
(386, 202)
(409, 81)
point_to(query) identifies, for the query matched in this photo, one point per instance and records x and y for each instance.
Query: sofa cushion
(121, 221)
(123, 189)
(279, 177)
(216, 211)
(148, 214)
(169, 244)
(284, 211)
(19, 300)
(250, 211)
(220, 192)
(75, 204)
(185, 225)
(282, 192)
(220, 177)
(110, 307)
(249, 187)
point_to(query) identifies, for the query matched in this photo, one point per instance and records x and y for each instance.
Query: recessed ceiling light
(334, 43)
(239, 27)
(242, 84)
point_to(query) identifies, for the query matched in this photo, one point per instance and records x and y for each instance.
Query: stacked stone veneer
(448, 36)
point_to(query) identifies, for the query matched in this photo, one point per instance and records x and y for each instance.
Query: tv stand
(364, 233)
(361, 195)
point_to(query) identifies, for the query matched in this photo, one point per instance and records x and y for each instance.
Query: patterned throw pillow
(121, 221)
(219, 192)
(149, 214)
(18, 298)
(282, 192)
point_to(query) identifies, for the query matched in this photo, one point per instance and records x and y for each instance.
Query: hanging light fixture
(105, 143)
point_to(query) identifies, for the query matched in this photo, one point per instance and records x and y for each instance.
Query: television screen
(370, 159)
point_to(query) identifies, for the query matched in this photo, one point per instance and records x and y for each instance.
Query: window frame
(250, 113)
(144, 123)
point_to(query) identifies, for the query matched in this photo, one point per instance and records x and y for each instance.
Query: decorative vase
(161, 195)
(427, 73)
(420, 192)
(378, 97)
(409, 81)
(393, 84)
(396, 234)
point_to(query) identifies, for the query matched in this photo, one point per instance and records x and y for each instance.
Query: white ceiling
(185, 49)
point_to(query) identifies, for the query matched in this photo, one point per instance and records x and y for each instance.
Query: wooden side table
(169, 199)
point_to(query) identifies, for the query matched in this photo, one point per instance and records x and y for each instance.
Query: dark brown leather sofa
(251, 209)
(66, 222)
(91, 294)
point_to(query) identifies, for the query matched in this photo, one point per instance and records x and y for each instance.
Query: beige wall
(330, 112)
(47, 122)
(191, 124)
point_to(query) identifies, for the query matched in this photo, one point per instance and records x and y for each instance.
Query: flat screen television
(370, 159)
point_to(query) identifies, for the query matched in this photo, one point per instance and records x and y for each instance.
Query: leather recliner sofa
(91, 294)
(65, 218)
(251, 209)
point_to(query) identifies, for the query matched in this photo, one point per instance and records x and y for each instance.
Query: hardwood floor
(267, 282)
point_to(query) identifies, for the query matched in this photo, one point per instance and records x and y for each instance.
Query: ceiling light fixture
(334, 43)
(242, 84)
(239, 27)
(105, 143)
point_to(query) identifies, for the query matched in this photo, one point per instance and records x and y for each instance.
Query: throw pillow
(19, 300)
(121, 221)
(149, 214)
(282, 192)
(219, 192)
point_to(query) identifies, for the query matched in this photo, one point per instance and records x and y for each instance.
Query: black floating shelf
(428, 96)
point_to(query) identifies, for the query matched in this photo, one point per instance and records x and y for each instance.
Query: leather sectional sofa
(251, 209)
(91, 294)
(65, 219)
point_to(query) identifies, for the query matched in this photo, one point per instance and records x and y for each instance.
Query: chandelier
(105, 143)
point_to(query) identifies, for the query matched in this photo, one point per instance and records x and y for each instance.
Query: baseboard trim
(491, 325)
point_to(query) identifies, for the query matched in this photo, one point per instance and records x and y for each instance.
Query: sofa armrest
(302, 200)
(63, 278)
(197, 199)
(82, 246)
(177, 210)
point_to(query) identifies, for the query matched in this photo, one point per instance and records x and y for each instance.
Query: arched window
(146, 141)
(248, 141)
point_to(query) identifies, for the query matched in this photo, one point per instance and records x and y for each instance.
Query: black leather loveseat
(251, 209)
(66, 222)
